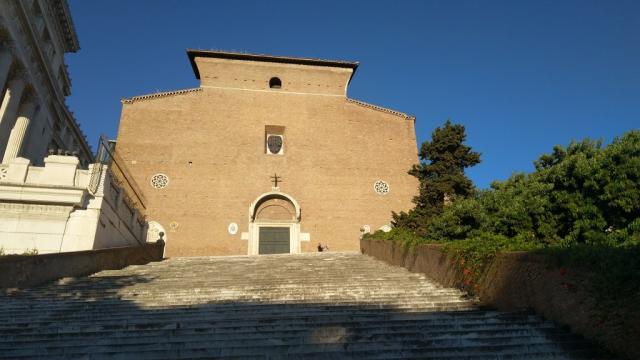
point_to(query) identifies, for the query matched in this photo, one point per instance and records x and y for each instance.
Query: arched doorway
(153, 232)
(274, 224)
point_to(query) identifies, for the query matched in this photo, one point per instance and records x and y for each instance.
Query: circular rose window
(381, 187)
(159, 181)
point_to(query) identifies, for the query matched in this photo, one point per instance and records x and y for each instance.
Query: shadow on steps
(145, 317)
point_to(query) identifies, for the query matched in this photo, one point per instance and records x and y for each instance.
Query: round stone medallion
(232, 228)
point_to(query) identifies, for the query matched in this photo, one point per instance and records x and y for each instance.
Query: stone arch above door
(274, 205)
(275, 209)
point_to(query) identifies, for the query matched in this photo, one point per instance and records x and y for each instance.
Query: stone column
(10, 103)
(16, 139)
(5, 65)
(9, 110)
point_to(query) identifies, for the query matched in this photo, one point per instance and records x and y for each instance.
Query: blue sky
(522, 76)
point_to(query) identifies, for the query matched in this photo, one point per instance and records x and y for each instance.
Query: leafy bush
(401, 235)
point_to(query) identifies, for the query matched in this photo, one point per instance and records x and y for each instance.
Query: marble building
(34, 81)
(54, 195)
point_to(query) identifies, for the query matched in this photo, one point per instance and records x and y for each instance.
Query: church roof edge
(382, 109)
(158, 95)
(194, 53)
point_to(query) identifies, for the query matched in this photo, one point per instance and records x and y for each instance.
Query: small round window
(381, 187)
(159, 181)
(275, 83)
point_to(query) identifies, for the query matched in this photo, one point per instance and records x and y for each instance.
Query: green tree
(582, 194)
(441, 175)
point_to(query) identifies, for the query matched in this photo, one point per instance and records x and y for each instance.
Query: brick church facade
(267, 155)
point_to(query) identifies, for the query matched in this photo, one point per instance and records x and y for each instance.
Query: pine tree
(441, 176)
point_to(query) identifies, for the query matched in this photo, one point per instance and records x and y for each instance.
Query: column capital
(5, 51)
(6, 59)
(6, 45)
(5, 38)
(17, 77)
(28, 106)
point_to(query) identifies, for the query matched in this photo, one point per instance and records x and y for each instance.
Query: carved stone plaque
(274, 144)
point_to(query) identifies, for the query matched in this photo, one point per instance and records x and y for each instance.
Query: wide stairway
(312, 306)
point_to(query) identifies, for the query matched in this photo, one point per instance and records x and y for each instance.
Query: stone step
(343, 286)
(9, 339)
(70, 313)
(71, 291)
(297, 335)
(79, 316)
(237, 296)
(329, 354)
(171, 323)
(365, 350)
(274, 323)
(497, 342)
(308, 306)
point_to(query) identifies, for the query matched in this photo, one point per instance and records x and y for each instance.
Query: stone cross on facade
(275, 179)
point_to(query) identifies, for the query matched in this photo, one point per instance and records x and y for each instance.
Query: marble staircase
(308, 306)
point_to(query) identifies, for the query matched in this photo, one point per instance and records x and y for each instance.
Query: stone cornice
(34, 210)
(65, 23)
(60, 195)
(382, 109)
(158, 95)
(242, 56)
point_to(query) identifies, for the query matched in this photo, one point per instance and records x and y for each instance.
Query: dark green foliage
(401, 235)
(441, 173)
(582, 194)
(581, 206)
(617, 268)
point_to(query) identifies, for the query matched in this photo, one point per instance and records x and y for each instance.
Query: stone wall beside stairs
(21, 271)
(521, 280)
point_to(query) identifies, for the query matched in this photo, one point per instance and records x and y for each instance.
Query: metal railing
(120, 174)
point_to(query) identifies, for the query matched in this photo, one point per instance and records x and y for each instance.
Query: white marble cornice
(34, 210)
(61, 195)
